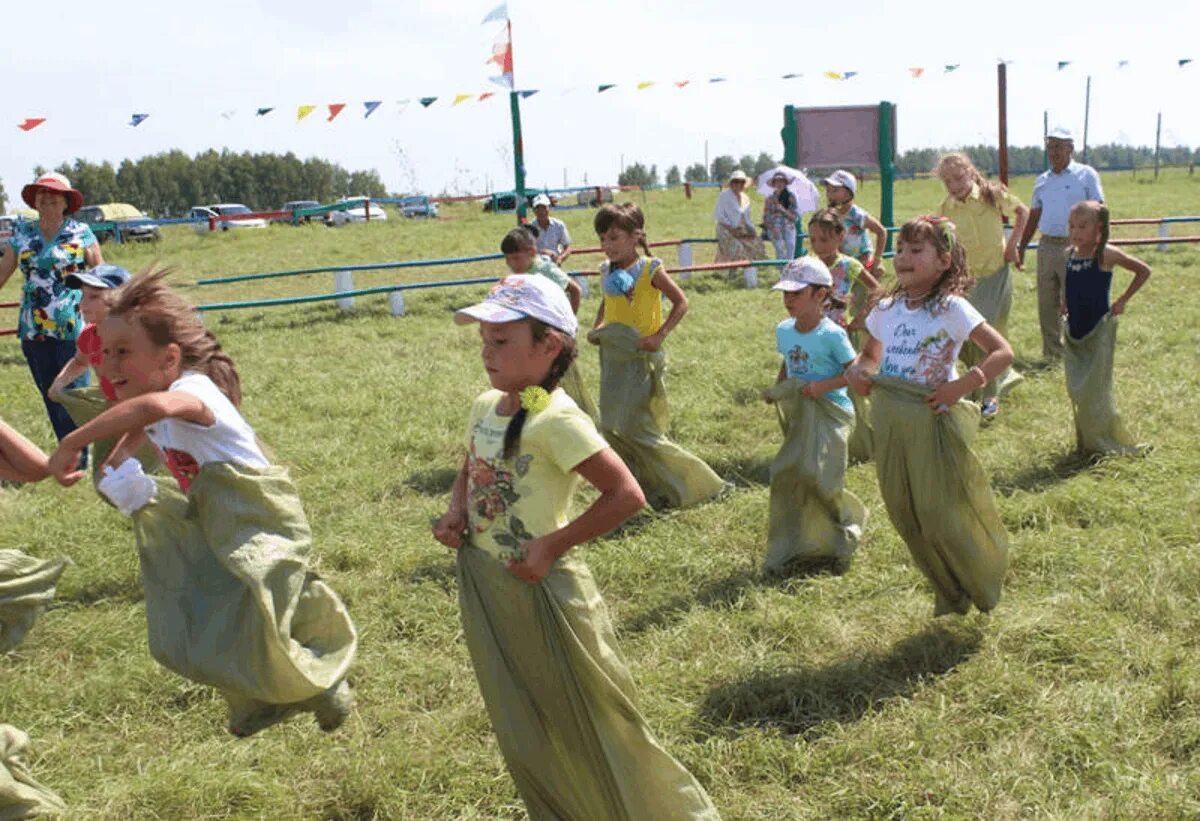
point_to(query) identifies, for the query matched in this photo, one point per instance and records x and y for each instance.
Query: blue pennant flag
(371, 105)
(136, 119)
(262, 112)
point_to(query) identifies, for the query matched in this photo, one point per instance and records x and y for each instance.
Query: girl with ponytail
(229, 598)
(558, 693)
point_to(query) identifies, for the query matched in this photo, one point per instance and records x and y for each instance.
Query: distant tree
(722, 167)
(696, 172)
(638, 174)
(673, 177)
(746, 163)
(764, 163)
(3, 199)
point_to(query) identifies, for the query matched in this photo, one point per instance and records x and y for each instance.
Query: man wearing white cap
(1055, 192)
(553, 239)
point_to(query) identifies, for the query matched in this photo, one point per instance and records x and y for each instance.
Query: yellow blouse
(642, 309)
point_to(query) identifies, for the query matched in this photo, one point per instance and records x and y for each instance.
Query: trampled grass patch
(808, 698)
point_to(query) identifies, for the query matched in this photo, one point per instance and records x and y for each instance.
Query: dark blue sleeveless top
(1087, 295)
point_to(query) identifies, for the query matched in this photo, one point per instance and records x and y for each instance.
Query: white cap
(738, 174)
(802, 272)
(843, 178)
(1060, 133)
(523, 296)
(541, 199)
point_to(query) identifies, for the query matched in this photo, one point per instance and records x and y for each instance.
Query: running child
(230, 601)
(1091, 337)
(936, 492)
(840, 188)
(560, 698)
(630, 331)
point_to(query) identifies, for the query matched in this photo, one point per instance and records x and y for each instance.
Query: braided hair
(558, 369)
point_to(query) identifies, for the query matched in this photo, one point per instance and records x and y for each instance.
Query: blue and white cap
(802, 272)
(102, 276)
(843, 178)
(523, 296)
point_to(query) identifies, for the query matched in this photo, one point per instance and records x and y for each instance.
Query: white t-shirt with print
(922, 345)
(186, 447)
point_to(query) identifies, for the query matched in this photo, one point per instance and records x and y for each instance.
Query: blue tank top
(1087, 295)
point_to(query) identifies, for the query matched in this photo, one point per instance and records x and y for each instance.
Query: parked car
(417, 206)
(589, 197)
(358, 213)
(224, 209)
(132, 222)
(298, 205)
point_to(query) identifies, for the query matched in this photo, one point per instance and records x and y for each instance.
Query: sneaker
(331, 707)
(990, 408)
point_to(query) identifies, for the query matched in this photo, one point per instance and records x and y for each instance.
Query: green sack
(20, 795)
(561, 699)
(26, 587)
(992, 297)
(230, 601)
(573, 385)
(634, 420)
(937, 494)
(814, 519)
(84, 405)
(1088, 366)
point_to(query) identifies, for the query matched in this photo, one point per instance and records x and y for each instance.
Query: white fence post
(396, 303)
(751, 275)
(343, 281)
(1164, 231)
(583, 286)
(685, 259)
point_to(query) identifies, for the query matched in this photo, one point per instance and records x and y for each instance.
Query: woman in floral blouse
(47, 251)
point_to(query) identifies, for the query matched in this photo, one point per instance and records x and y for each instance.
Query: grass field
(1079, 697)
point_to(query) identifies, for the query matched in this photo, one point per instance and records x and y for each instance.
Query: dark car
(299, 205)
(417, 205)
(110, 217)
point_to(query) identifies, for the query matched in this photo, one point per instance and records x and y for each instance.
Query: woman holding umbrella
(48, 250)
(786, 194)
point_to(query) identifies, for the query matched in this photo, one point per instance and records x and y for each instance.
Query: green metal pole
(514, 104)
(791, 159)
(887, 169)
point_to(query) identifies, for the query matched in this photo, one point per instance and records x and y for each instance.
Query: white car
(224, 209)
(357, 213)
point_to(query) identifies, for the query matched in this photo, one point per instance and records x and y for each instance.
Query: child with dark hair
(230, 600)
(840, 189)
(560, 697)
(936, 492)
(630, 331)
(1091, 333)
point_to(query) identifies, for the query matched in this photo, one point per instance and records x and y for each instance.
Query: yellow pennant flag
(833, 75)
(303, 111)
(458, 98)
(644, 84)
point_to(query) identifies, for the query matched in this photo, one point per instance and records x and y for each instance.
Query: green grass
(817, 698)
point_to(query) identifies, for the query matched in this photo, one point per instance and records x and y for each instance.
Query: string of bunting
(502, 57)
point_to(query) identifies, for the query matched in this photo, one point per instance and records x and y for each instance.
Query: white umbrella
(802, 188)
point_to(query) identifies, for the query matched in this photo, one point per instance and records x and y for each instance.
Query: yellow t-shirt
(641, 310)
(980, 230)
(510, 501)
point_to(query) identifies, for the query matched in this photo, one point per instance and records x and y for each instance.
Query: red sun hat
(53, 181)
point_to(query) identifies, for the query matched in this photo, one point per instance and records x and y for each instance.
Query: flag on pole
(498, 13)
(303, 111)
(502, 56)
(370, 106)
(31, 123)
(136, 119)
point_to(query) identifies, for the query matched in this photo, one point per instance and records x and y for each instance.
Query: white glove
(127, 487)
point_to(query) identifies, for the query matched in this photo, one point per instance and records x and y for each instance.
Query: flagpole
(514, 105)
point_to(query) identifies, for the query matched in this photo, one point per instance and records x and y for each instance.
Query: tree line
(1021, 160)
(169, 184)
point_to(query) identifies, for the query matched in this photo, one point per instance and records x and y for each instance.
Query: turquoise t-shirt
(822, 353)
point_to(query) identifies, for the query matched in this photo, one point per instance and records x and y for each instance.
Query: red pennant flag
(681, 83)
(485, 95)
(31, 123)
(334, 110)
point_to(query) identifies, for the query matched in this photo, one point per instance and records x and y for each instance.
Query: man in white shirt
(553, 239)
(1055, 193)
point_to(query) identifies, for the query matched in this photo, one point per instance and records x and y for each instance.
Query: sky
(201, 69)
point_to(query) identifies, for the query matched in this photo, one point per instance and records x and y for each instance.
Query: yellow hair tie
(535, 399)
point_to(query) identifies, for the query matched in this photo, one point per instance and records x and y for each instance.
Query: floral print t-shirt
(511, 501)
(49, 309)
(856, 242)
(845, 272)
(921, 345)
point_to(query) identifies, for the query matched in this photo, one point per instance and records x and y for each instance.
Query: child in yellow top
(630, 331)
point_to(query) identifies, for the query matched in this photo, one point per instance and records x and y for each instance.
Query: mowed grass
(1079, 697)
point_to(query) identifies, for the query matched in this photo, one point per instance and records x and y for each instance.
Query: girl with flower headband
(559, 696)
(934, 487)
(630, 331)
(230, 600)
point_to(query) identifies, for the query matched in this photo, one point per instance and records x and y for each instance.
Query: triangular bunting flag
(505, 80)
(303, 111)
(1184, 61)
(458, 98)
(262, 112)
(1063, 64)
(681, 83)
(502, 54)
(527, 94)
(644, 84)
(951, 67)
(136, 119)
(31, 123)
(601, 89)
(716, 79)
(832, 75)
(791, 76)
(1122, 64)
(846, 75)
(498, 13)
(485, 95)
(427, 101)
(229, 114)
(334, 110)
(370, 106)
(916, 72)
(401, 105)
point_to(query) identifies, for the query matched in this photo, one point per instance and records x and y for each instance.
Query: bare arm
(1035, 216)
(71, 371)
(679, 306)
(1012, 252)
(574, 294)
(999, 356)
(858, 373)
(620, 498)
(877, 229)
(92, 255)
(449, 529)
(1115, 257)
(20, 459)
